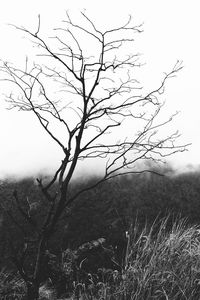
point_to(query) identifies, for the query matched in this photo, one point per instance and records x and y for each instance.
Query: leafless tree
(84, 82)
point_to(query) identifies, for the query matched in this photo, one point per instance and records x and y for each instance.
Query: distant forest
(106, 211)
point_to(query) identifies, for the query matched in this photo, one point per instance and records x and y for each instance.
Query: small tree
(96, 95)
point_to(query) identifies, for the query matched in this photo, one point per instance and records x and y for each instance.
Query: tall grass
(160, 263)
(12, 286)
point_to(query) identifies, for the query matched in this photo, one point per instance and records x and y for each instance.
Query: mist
(26, 150)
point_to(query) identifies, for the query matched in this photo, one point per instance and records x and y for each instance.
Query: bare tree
(87, 87)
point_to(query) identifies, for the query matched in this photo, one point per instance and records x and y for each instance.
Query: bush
(160, 263)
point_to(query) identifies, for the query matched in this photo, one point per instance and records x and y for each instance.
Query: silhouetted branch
(88, 94)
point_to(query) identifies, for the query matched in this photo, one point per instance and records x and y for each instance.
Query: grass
(160, 264)
(12, 286)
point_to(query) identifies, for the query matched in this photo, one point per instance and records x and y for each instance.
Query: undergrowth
(159, 264)
(12, 286)
(163, 264)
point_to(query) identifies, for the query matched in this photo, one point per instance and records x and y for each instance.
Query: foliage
(11, 286)
(107, 211)
(161, 263)
(165, 264)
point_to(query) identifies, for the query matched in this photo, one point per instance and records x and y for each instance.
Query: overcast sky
(171, 32)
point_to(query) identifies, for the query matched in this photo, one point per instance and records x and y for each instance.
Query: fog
(170, 33)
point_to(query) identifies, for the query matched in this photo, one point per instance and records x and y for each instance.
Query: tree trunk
(32, 291)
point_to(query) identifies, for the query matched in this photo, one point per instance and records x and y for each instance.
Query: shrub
(160, 263)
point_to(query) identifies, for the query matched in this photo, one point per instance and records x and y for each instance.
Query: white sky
(171, 32)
